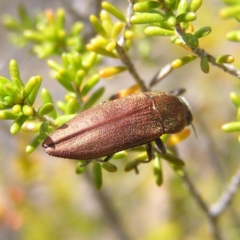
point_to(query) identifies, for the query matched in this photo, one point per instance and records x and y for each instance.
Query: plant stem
(214, 228)
(202, 53)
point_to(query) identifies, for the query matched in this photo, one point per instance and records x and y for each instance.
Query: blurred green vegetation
(42, 198)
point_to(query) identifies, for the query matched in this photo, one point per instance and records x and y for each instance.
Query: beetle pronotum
(120, 124)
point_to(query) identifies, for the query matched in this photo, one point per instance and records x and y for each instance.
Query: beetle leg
(85, 163)
(160, 145)
(150, 157)
(106, 159)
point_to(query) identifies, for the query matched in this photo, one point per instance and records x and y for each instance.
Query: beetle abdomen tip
(48, 143)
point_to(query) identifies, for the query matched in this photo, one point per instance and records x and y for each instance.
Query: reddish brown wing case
(108, 128)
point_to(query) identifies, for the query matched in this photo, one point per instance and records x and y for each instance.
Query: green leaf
(231, 127)
(45, 109)
(145, 6)
(173, 159)
(109, 167)
(98, 26)
(150, 17)
(157, 168)
(90, 84)
(97, 175)
(47, 98)
(33, 94)
(15, 75)
(157, 31)
(17, 124)
(114, 11)
(94, 98)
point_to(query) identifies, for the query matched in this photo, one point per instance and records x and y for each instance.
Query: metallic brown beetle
(120, 124)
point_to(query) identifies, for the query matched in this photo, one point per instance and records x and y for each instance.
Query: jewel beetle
(120, 124)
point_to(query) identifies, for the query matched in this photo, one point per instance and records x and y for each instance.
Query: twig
(109, 212)
(227, 197)
(131, 68)
(45, 118)
(202, 53)
(202, 204)
(122, 53)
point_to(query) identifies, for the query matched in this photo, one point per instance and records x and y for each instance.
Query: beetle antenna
(194, 130)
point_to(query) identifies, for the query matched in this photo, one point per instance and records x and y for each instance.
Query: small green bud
(144, 18)
(63, 79)
(106, 21)
(114, 11)
(228, 12)
(80, 168)
(76, 28)
(98, 26)
(34, 144)
(45, 109)
(47, 98)
(17, 108)
(116, 30)
(225, 59)
(111, 71)
(101, 51)
(30, 85)
(90, 84)
(27, 110)
(145, 6)
(89, 61)
(17, 124)
(8, 101)
(44, 130)
(186, 17)
(128, 34)
(202, 32)
(80, 74)
(182, 61)
(33, 94)
(60, 18)
(157, 31)
(63, 119)
(157, 168)
(130, 166)
(111, 46)
(233, 36)
(235, 98)
(54, 65)
(195, 5)
(173, 159)
(182, 6)
(231, 127)
(8, 115)
(15, 75)
(94, 98)
(171, 21)
(109, 167)
(204, 64)
(33, 35)
(119, 155)
(72, 106)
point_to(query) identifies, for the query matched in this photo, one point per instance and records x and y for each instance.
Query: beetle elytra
(120, 124)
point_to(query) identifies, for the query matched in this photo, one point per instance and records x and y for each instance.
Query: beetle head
(188, 113)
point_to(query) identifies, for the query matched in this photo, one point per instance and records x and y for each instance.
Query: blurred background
(42, 198)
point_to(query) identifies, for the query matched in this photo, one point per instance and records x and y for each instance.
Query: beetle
(120, 124)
